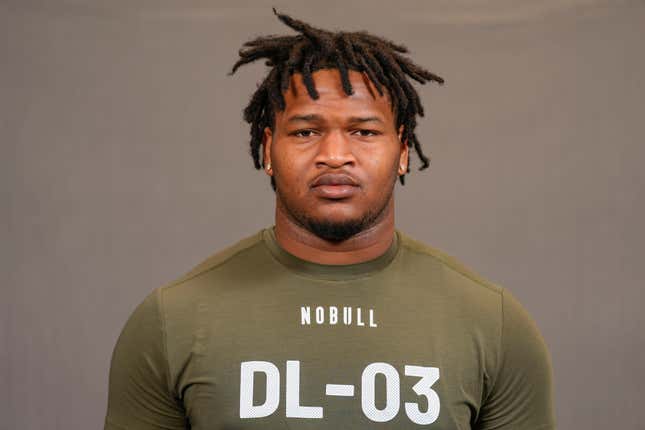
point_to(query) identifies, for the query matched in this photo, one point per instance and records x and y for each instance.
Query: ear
(405, 152)
(267, 140)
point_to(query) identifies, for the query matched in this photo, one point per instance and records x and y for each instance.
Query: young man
(332, 318)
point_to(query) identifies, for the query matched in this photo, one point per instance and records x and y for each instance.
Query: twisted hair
(313, 49)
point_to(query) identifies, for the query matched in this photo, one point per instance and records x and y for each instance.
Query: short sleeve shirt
(256, 338)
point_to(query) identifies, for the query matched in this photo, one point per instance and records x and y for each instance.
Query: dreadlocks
(315, 49)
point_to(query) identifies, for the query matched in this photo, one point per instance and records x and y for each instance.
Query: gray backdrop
(125, 162)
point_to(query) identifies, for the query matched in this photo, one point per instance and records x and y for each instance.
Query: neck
(364, 246)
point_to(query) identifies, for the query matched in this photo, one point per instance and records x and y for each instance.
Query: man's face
(335, 159)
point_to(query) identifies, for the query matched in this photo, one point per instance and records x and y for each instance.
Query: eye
(366, 133)
(302, 133)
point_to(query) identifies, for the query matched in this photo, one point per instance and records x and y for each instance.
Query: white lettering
(423, 388)
(320, 315)
(392, 392)
(248, 369)
(372, 323)
(294, 410)
(359, 318)
(305, 315)
(428, 375)
(339, 390)
(333, 315)
(347, 315)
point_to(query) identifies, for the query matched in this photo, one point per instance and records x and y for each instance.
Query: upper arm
(139, 395)
(521, 396)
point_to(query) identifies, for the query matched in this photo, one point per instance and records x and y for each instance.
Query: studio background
(125, 163)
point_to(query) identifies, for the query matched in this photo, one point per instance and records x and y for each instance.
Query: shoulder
(452, 269)
(218, 259)
(182, 297)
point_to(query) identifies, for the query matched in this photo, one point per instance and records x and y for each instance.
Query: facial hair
(335, 231)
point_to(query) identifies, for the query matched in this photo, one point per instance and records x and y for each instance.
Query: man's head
(332, 123)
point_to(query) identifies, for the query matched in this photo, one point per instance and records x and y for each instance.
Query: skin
(314, 139)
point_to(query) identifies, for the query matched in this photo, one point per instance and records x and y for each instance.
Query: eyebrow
(359, 119)
(310, 117)
(315, 117)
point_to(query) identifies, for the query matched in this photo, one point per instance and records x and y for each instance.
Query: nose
(334, 150)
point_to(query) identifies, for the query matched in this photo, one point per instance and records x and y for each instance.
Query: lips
(334, 179)
(334, 186)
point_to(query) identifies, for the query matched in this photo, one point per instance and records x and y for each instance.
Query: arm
(140, 396)
(521, 396)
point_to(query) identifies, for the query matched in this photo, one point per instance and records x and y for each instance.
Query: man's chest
(344, 361)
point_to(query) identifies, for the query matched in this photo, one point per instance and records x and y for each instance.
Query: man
(332, 318)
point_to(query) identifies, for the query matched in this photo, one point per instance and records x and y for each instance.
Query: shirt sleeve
(521, 396)
(139, 396)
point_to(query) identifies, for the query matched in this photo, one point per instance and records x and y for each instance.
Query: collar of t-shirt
(330, 271)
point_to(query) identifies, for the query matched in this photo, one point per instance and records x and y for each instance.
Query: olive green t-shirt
(256, 338)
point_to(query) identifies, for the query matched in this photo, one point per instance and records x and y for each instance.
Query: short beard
(334, 231)
(337, 231)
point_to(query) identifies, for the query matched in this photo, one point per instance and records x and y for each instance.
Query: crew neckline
(332, 272)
